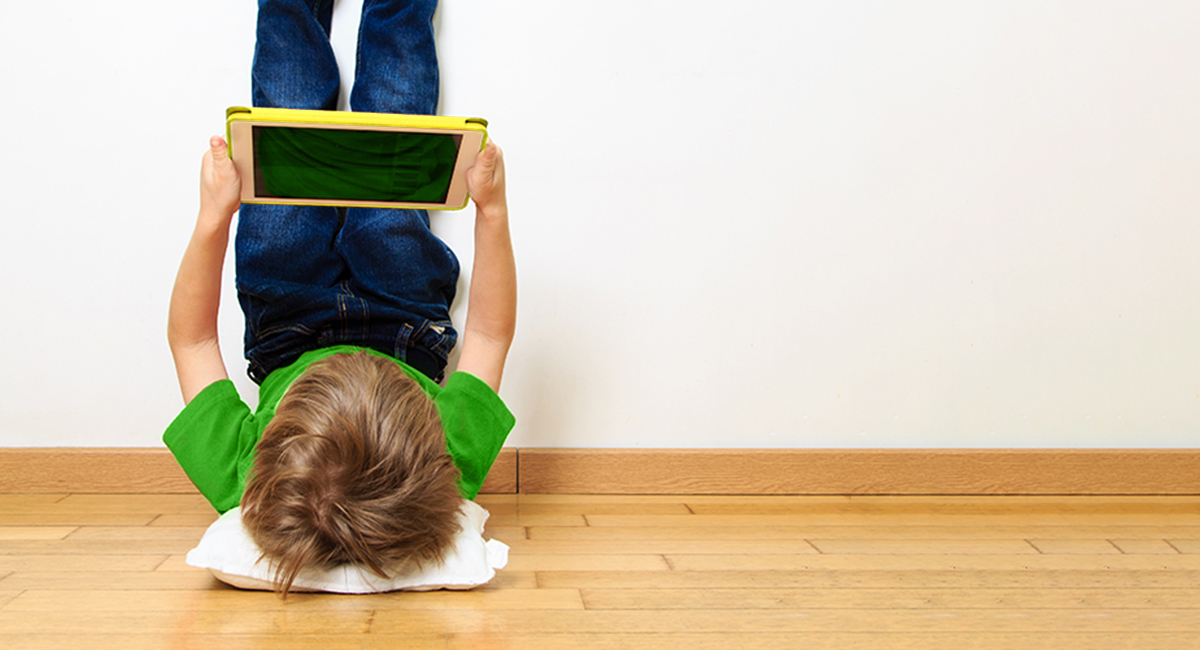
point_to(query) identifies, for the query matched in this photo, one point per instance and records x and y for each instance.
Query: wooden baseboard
(874, 471)
(693, 471)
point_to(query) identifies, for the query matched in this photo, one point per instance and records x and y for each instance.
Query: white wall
(794, 224)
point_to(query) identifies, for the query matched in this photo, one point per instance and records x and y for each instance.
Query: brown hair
(352, 468)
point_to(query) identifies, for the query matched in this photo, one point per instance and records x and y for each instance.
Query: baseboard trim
(866, 471)
(693, 471)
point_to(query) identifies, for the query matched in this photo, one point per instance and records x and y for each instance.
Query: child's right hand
(220, 185)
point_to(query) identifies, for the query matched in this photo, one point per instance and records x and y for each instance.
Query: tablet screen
(340, 164)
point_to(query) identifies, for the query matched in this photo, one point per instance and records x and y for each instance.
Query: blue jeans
(311, 277)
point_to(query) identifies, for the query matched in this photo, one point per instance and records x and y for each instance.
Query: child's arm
(492, 303)
(192, 322)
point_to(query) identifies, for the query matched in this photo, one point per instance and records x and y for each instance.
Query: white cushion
(228, 551)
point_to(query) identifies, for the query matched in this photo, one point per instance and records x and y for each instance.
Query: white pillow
(228, 551)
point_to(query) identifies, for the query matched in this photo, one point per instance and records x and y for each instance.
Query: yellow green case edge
(292, 115)
(355, 118)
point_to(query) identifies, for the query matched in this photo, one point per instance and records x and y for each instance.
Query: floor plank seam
(13, 599)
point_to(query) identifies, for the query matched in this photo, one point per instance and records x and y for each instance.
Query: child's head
(352, 468)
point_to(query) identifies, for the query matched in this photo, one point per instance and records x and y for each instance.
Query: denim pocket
(426, 347)
(441, 337)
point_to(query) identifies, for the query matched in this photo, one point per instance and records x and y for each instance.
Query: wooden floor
(97, 572)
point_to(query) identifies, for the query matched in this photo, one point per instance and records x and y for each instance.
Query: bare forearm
(196, 296)
(195, 301)
(492, 304)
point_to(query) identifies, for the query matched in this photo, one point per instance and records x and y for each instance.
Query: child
(354, 453)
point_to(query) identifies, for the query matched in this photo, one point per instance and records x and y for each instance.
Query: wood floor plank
(923, 547)
(870, 579)
(897, 519)
(872, 599)
(132, 640)
(134, 503)
(137, 533)
(251, 622)
(660, 547)
(974, 506)
(987, 500)
(1188, 546)
(24, 503)
(189, 520)
(506, 579)
(6, 596)
(70, 519)
(44, 600)
(649, 641)
(11, 533)
(192, 579)
(826, 641)
(546, 504)
(1074, 546)
(521, 519)
(699, 533)
(587, 563)
(1144, 546)
(933, 562)
(75, 546)
(787, 620)
(58, 563)
(639, 499)
(100, 580)
(643, 509)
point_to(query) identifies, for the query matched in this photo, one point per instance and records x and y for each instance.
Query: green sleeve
(477, 422)
(210, 440)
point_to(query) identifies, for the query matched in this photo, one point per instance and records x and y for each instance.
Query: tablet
(340, 158)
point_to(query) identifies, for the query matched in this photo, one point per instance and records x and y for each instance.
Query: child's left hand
(220, 185)
(485, 180)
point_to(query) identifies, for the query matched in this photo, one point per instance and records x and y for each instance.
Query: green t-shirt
(215, 436)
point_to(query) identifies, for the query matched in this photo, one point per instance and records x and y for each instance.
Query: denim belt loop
(403, 335)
